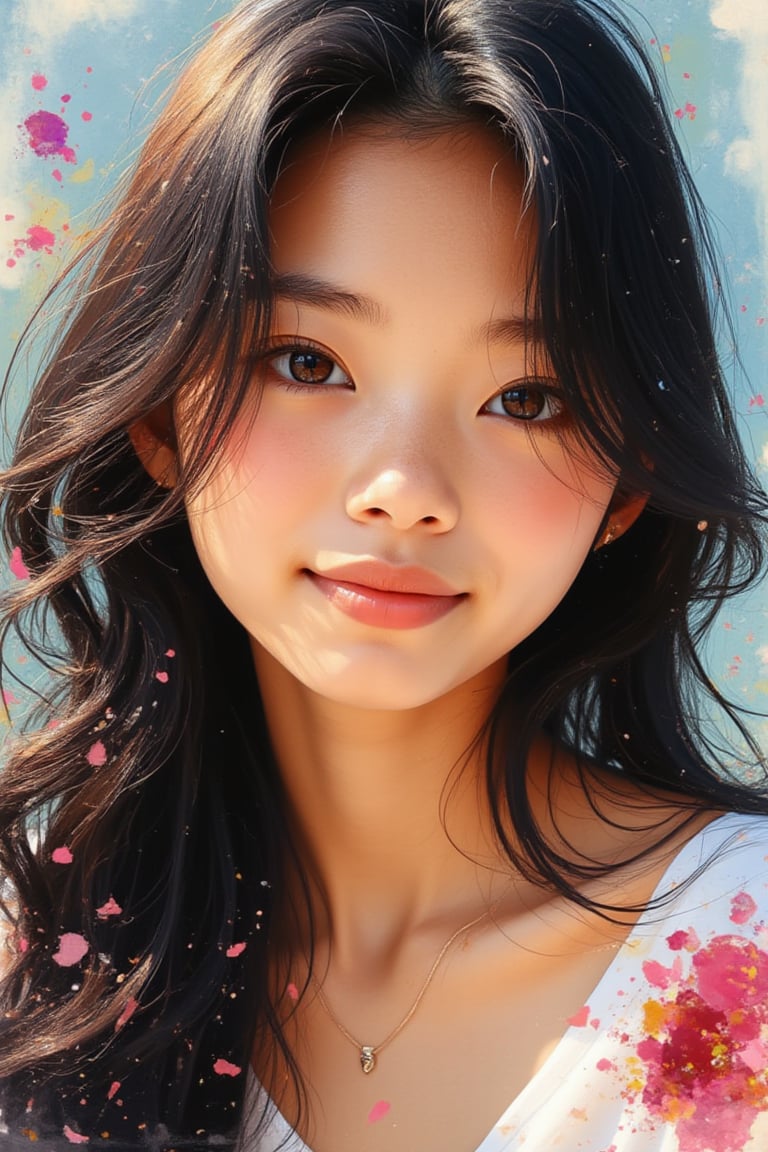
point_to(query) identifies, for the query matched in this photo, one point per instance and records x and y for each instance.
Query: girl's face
(406, 506)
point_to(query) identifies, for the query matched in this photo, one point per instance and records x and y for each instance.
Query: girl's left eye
(307, 366)
(528, 400)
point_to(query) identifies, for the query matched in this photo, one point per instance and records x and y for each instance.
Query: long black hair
(158, 782)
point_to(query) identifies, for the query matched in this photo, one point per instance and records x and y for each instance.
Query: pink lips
(385, 595)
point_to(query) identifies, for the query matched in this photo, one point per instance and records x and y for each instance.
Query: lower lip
(379, 609)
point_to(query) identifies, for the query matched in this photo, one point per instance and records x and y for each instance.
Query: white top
(670, 1054)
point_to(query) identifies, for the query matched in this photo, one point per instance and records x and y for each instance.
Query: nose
(407, 493)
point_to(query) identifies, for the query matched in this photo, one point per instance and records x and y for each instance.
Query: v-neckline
(568, 1045)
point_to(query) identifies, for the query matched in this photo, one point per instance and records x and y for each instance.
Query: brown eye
(310, 367)
(524, 402)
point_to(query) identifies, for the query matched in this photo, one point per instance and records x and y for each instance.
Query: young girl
(381, 487)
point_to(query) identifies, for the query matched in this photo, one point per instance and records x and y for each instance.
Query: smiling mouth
(402, 605)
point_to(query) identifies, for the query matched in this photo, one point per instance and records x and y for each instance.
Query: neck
(387, 808)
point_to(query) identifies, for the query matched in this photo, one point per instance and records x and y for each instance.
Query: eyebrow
(302, 289)
(318, 293)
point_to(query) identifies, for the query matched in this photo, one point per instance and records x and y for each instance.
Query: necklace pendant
(367, 1058)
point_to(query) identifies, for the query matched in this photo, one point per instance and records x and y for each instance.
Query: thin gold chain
(369, 1052)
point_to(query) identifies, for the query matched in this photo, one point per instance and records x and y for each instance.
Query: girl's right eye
(306, 366)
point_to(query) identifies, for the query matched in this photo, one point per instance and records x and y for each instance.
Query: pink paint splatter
(130, 1007)
(236, 950)
(114, 1088)
(743, 908)
(65, 99)
(62, 855)
(224, 1068)
(704, 1050)
(379, 1111)
(660, 976)
(57, 175)
(23, 944)
(683, 940)
(293, 992)
(111, 908)
(580, 1019)
(605, 1065)
(170, 653)
(86, 116)
(39, 238)
(39, 81)
(72, 948)
(757, 401)
(688, 111)
(17, 565)
(74, 1137)
(9, 698)
(162, 677)
(48, 136)
(97, 755)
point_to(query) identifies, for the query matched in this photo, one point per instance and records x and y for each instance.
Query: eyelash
(550, 396)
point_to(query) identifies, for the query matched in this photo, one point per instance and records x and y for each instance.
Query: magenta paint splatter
(704, 1052)
(225, 1068)
(39, 81)
(236, 950)
(683, 940)
(65, 99)
(74, 1137)
(379, 1111)
(743, 908)
(97, 755)
(114, 1088)
(130, 1007)
(110, 908)
(17, 565)
(48, 136)
(72, 948)
(62, 855)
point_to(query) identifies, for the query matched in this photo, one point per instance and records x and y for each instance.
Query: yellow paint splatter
(84, 173)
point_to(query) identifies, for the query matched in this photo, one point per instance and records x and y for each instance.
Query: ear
(622, 512)
(154, 442)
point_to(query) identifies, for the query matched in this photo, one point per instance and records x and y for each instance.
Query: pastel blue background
(102, 53)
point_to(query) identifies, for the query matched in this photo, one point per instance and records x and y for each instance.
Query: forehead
(395, 219)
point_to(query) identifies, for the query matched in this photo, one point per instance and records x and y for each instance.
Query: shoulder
(715, 890)
(726, 855)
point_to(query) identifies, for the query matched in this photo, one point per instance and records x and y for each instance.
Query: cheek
(548, 504)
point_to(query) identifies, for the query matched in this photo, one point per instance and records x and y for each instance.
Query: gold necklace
(368, 1052)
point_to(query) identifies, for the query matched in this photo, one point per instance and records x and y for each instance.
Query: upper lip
(385, 577)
